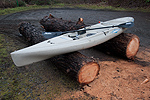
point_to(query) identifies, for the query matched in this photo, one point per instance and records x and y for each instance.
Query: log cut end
(88, 73)
(132, 47)
(125, 44)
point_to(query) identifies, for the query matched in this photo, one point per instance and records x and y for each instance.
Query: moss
(3, 50)
(39, 81)
(10, 83)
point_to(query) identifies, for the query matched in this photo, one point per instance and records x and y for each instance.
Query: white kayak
(73, 41)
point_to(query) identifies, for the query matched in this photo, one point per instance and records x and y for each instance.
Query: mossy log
(126, 44)
(77, 65)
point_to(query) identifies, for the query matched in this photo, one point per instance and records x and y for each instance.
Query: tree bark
(125, 44)
(30, 33)
(52, 24)
(79, 66)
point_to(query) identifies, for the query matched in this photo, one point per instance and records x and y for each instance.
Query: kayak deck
(68, 42)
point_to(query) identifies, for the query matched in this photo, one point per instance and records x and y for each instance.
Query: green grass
(18, 9)
(96, 7)
(61, 5)
(3, 50)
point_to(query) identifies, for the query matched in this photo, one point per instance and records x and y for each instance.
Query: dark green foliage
(11, 3)
(115, 3)
(80, 1)
(27, 1)
(40, 2)
(147, 1)
(129, 3)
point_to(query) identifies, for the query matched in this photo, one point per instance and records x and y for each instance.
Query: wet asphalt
(141, 28)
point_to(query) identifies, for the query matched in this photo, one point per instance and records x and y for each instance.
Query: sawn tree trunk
(79, 66)
(126, 44)
(52, 24)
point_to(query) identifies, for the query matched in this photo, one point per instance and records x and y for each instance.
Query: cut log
(30, 34)
(125, 44)
(76, 65)
(79, 66)
(52, 24)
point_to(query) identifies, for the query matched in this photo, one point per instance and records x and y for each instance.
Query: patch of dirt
(121, 80)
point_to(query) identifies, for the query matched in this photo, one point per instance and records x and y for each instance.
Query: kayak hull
(65, 43)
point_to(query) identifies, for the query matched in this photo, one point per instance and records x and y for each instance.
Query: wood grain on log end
(132, 47)
(88, 73)
(75, 64)
(125, 44)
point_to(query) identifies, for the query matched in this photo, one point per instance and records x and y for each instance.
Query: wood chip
(145, 81)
